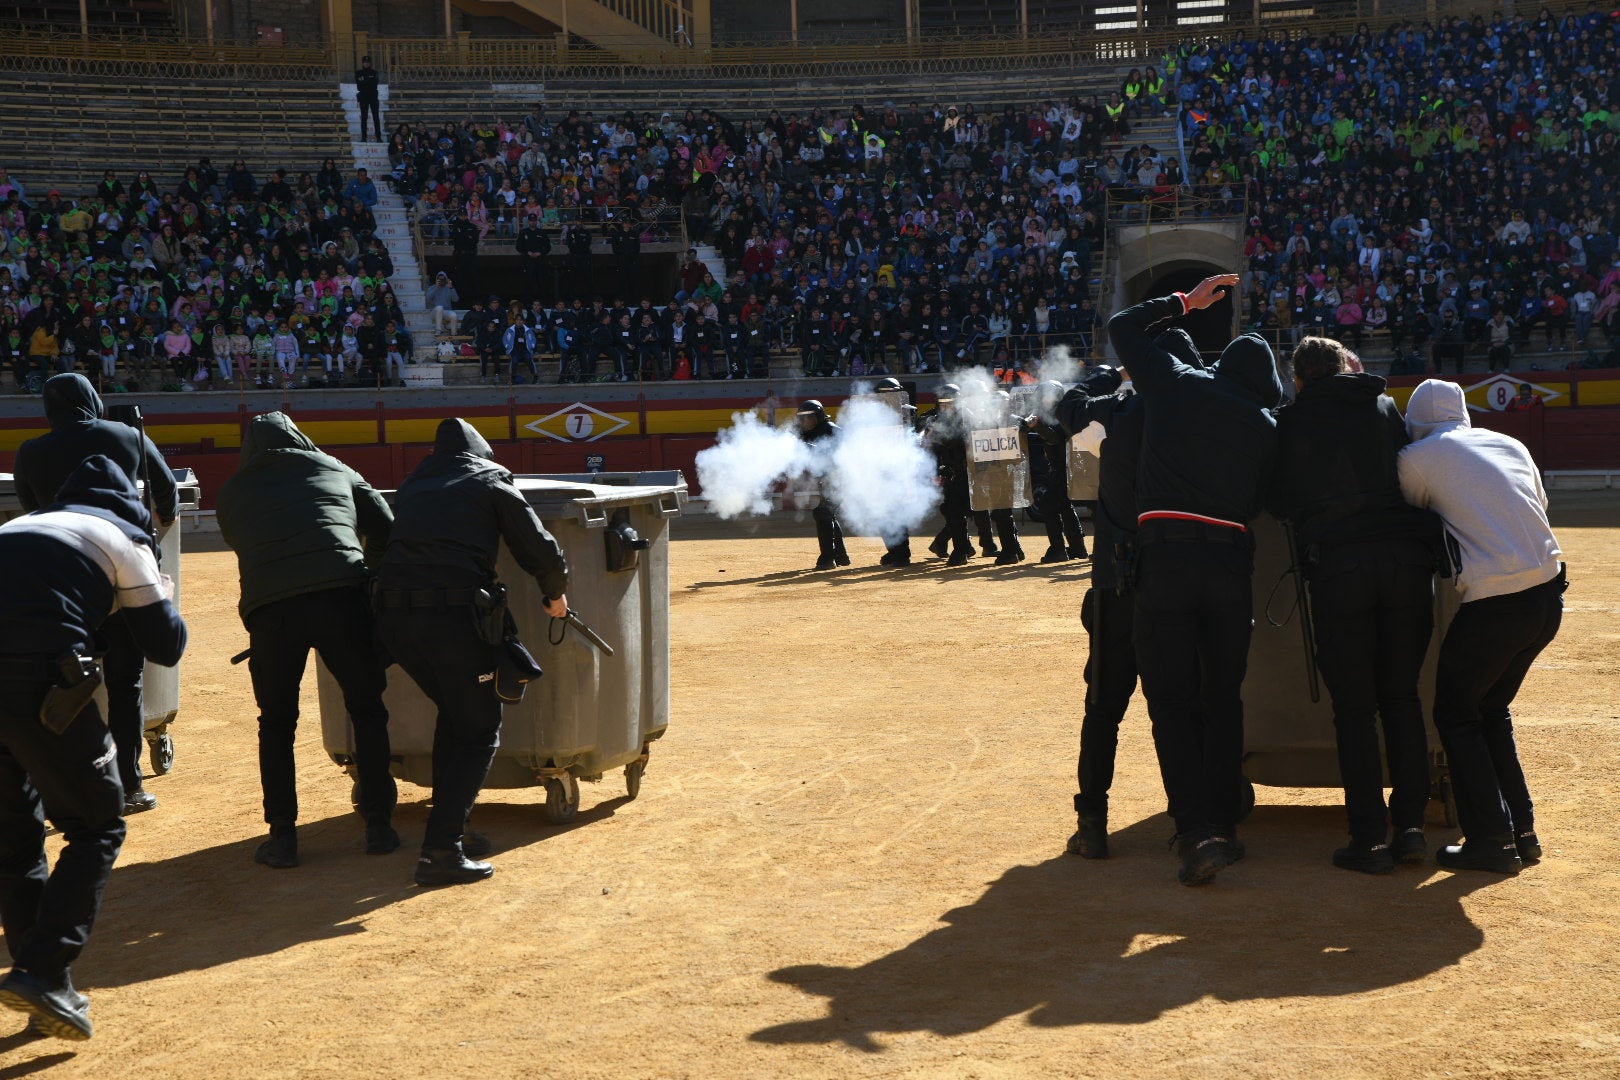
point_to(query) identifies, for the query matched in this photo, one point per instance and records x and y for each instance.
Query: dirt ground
(847, 860)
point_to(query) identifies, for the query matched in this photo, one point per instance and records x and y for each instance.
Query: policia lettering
(442, 617)
(89, 555)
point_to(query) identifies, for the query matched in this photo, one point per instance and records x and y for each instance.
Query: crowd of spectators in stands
(866, 240)
(224, 280)
(1446, 187)
(1451, 187)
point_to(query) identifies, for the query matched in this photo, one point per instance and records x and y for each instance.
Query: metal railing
(1175, 205)
(663, 230)
(463, 58)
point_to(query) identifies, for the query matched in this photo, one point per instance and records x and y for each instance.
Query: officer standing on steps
(1208, 446)
(948, 441)
(1370, 560)
(368, 93)
(464, 247)
(441, 616)
(43, 464)
(816, 430)
(305, 528)
(89, 554)
(1065, 539)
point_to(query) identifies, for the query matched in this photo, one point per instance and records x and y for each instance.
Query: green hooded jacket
(300, 521)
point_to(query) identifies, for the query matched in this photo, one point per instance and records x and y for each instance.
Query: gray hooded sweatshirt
(1485, 487)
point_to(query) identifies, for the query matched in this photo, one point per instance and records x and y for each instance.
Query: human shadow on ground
(1073, 942)
(50, 1052)
(212, 907)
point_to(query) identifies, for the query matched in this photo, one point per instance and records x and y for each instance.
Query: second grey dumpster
(591, 712)
(1289, 739)
(160, 695)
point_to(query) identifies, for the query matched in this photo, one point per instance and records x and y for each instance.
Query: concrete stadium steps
(68, 131)
(393, 225)
(435, 103)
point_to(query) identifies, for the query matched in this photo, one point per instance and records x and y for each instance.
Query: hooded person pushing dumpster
(305, 528)
(1208, 447)
(441, 616)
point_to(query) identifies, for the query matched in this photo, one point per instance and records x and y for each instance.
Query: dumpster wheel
(632, 776)
(1246, 800)
(162, 752)
(562, 799)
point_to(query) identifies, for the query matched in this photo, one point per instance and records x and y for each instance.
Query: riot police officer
(1010, 550)
(437, 598)
(78, 429)
(305, 528)
(89, 552)
(1065, 538)
(897, 551)
(816, 429)
(947, 438)
(1208, 445)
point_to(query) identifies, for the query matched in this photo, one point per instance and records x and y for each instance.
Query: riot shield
(998, 468)
(898, 402)
(1085, 470)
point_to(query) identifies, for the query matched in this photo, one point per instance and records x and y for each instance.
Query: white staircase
(393, 226)
(709, 257)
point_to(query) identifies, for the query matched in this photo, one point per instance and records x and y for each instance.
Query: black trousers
(1372, 606)
(440, 649)
(1006, 529)
(829, 533)
(47, 914)
(337, 624)
(371, 107)
(123, 669)
(1063, 529)
(1194, 615)
(954, 506)
(981, 525)
(1110, 681)
(1487, 651)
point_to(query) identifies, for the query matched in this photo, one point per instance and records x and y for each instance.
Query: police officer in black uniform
(78, 430)
(1370, 561)
(1208, 446)
(368, 93)
(306, 528)
(579, 258)
(436, 589)
(815, 428)
(533, 247)
(89, 554)
(946, 435)
(1065, 538)
(1010, 551)
(897, 552)
(464, 247)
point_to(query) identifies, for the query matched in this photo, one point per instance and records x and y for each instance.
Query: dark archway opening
(1210, 328)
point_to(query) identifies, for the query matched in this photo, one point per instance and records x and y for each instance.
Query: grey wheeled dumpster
(160, 685)
(1288, 738)
(591, 712)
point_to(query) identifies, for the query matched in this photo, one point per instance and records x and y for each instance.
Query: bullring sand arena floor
(847, 861)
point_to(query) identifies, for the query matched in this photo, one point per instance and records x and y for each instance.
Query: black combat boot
(280, 852)
(1090, 840)
(1202, 856)
(450, 867)
(1367, 857)
(381, 839)
(1409, 846)
(1232, 849)
(1492, 857)
(1055, 554)
(1529, 847)
(53, 1006)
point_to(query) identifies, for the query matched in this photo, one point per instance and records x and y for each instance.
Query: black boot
(451, 867)
(1232, 849)
(840, 556)
(1409, 846)
(1529, 846)
(280, 852)
(1055, 554)
(959, 557)
(54, 1008)
(1365, 857)
(1493, 858)
(1090, 840)
(1202, 857)
(381, 839)
(138, 802)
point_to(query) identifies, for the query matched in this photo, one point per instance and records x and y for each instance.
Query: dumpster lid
(586, 496)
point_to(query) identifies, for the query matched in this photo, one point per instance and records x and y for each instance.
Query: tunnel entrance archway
(1211, 328)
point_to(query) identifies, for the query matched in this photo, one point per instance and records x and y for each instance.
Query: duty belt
(33, 668)
(427, 598)
(1171, 531)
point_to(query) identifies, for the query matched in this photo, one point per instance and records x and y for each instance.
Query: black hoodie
(1336, 479)
(451, 515)
(86, 556)
(78, 431)
(1208, 440)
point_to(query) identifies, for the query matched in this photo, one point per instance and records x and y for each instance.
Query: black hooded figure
(88, 553)
(815, 428)
(43, 464)
(433, 587)
(1208, 447)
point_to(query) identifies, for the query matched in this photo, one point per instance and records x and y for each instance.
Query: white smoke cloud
(1059, 364)
(878, 473)
(738, 473)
